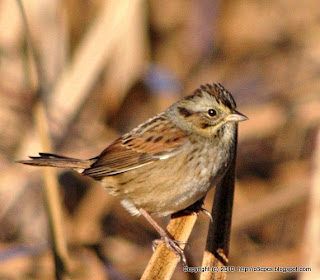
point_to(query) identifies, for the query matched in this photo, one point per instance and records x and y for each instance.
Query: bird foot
(173, 245)
(170, 242)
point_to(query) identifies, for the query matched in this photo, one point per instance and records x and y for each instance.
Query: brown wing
(157, 139)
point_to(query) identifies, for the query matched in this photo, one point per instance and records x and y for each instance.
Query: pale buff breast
(166, 186)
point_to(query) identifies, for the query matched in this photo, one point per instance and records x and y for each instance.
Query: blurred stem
(33, 78)
(53, 203)
(51, 191)
(311, 255)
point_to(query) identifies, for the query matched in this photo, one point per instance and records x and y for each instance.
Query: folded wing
(157, 139)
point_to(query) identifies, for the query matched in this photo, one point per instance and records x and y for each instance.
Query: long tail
(45, 159)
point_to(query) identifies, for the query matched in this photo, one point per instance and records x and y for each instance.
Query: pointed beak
(236, 117)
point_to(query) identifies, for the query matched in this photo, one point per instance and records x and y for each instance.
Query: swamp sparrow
(169, 162)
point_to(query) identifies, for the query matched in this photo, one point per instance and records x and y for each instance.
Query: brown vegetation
(106, 66)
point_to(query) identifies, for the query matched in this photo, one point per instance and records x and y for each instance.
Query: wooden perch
(163, 262)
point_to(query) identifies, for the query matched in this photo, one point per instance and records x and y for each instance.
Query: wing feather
(157, 139)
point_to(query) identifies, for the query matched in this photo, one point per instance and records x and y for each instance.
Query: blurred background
(107, 66)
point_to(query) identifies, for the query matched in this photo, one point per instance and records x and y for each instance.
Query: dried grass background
(107, 66)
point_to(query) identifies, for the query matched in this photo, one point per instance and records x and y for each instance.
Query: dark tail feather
(45, 159)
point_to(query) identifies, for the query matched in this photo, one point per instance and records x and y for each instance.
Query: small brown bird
(169, 162)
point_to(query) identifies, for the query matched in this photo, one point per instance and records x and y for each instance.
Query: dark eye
(212, 112)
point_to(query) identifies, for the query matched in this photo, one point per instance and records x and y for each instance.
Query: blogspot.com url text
(283, 269)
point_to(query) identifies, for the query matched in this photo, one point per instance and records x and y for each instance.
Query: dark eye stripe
(184, 112)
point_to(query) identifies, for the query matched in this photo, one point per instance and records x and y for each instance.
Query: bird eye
(212, 112)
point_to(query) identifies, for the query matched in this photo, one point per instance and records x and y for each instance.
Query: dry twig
(311, 254)
(163, 262)
(51, 185)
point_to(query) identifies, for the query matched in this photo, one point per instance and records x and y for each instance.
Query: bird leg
(166, 237)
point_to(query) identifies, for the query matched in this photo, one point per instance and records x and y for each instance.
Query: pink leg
(166, 237)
